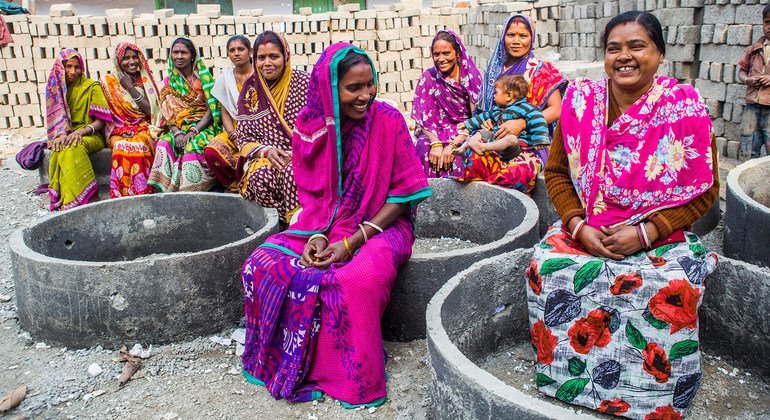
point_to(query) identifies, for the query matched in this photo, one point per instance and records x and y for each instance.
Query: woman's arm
(227, 122)
(552, 109)
(336, 252)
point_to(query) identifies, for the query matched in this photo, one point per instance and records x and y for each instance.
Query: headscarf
(387, 169)
(440, 102)
(145, 76)
(178, 82)
(656, 155)
(58, 113)
(500, 56)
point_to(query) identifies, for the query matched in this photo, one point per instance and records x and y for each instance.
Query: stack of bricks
(19, 99)
(485, 24)
(727, 31)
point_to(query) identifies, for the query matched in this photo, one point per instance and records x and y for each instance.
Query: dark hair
(446, 36)
(646, 19)
(765, 11)
(351, 59)
(518, 19)
(269, 37)
(245, 41)
(189, 45)
(515, 84)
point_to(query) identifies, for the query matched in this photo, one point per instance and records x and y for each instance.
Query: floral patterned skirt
(620, 337)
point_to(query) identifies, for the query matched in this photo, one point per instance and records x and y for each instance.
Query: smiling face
(130, 62)
(356, 89)
(238, 53)
(518, 40)
(270, 61)
(72, 70)
(631, 59)
(444, 56)
(181, 56)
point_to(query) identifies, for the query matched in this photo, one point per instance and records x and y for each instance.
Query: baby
(510, 104)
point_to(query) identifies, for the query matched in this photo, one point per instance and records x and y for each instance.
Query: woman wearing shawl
(222, 153)
(615, 286)
(76, 113)
(513, 55)
(314, 294)
(191, 113)
(269, 103)
(444, 97)
(132, 95)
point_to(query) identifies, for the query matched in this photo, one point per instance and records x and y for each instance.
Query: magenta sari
(293, 313)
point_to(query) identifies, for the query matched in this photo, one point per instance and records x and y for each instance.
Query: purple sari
(440, 103)
(294, 313)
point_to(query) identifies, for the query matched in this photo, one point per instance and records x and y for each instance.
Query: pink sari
(656, 155)
(294, 313)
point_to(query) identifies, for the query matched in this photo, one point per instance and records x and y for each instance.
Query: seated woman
(76, 113)
(132, 95)
(513, 55)
(615, 286)
(269, 103)
(314, 294)
(444, 97)
(222, 153)
(191, 113)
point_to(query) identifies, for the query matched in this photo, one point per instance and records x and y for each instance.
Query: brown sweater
(567, 203)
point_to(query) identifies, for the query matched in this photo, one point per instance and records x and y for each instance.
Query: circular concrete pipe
(484, 309)
(498, 219)
(747, 217)
(151, 268)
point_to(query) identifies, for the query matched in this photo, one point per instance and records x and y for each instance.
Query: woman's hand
(591, 239)
(125, 80)
(514, 127)
(181, 141)
(447, 157)
(310, 254)
(73, 139)
(333, 253)
(435, 158)
(278, 158)
(57, 144)
(621, 240)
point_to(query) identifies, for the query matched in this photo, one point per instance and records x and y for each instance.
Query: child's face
(766, 26)
(503, 98)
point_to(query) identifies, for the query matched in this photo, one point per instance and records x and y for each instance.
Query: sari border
(414, 198)
(280, 248)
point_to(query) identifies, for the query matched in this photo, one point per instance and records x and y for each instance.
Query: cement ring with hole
(151, 268)
(747, 217)
(497, 219)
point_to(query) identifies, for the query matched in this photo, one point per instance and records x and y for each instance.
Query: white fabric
(226, 91)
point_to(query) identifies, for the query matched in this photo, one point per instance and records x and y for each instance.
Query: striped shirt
(536, 131)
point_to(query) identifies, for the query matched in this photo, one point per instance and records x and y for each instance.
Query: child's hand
(487, 125)
(460, 150)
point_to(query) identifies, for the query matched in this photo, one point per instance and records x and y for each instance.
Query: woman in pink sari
(615, 286)
(314, 294)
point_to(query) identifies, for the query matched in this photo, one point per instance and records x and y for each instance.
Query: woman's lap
(520, 173)
(132, 158)
(608, 329)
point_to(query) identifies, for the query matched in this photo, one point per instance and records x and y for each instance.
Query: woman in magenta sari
(444, 97)
(314, 294)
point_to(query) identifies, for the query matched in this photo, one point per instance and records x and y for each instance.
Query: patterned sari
(621, 337)
(266, 116)
(72, 181)
(310, 330)
(184, 106)
(440, 103)
(222, 153)
(544, 79)
(133, 147)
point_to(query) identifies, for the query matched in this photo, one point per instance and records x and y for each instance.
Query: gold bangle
(318, 235)
(347, 246)
(433, 145)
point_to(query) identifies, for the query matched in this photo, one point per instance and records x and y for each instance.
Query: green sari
(72, 181)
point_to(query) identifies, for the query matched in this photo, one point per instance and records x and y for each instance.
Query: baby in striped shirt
(510, 104)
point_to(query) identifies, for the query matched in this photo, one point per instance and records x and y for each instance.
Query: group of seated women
(613, 288)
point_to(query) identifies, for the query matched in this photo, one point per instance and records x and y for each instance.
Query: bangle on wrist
(195, 129)
(178, 133)
(363, 230)
(578, 227)
(318, 235)
(377, 228)
(437, 144)
(347, 246)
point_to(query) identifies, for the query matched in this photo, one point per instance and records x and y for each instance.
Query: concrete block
(724, 14)
(711, 90)
(209, 10)
(62, 9)
(739, 35)
(114, 14)
(163, 13)
(749, 14)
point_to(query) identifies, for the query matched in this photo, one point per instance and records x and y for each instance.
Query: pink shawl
(387, 169)
(656, 155)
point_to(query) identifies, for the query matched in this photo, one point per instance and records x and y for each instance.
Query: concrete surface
(747, 218)
(101, 162)
(498, 219)
(485, 307)
(150, 268)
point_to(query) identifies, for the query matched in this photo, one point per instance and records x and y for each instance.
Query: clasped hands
(320, 254)
(615, 242)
